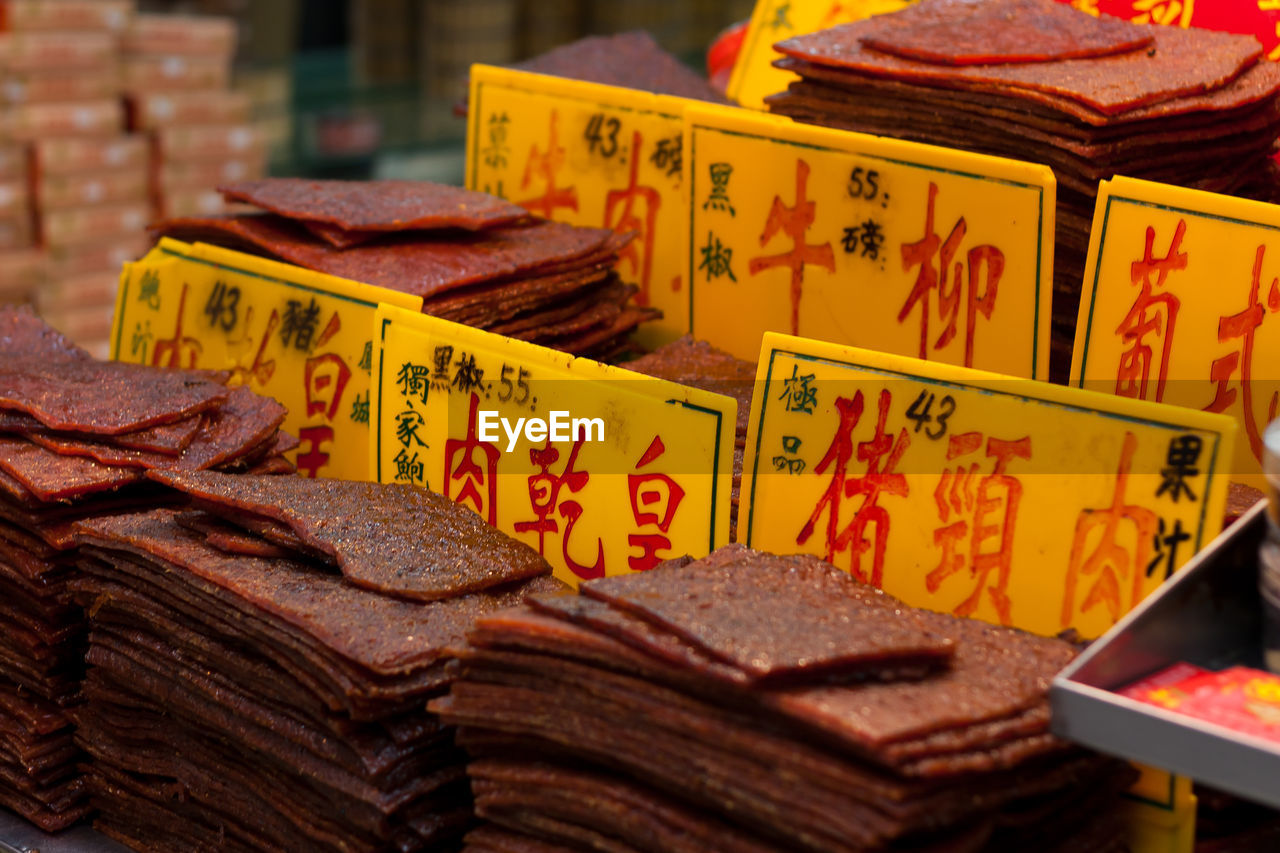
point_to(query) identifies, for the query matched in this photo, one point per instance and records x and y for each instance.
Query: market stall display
(531, 279)
(738, 698)
(228, 660)
(1037, 80)
(75, 438)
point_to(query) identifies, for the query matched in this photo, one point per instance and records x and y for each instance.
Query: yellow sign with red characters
(602, 470)
(1013, 501)
(302, 337)
(589, 154)
(1179, 305)
(772, 21)
(889, 245)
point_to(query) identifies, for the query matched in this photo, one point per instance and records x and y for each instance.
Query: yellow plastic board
(589, 154)
(302, 337)
(884, 244)
(1009, 500)
(1178, 305)
(772, 21)
(625, 470)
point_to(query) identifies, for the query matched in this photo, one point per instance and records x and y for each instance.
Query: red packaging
(78, 118)
(109, 255)
(185, 35)
(77, 226)
(208, 174)
(1240, 698)
(111, 15)
(175, 73)
(161, 109)
(209, 142)
(28, 87)
(60, 191)
(67, 156)
(31, 51)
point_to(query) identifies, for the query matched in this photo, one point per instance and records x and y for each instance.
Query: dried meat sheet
(23, 333)
(396, 539)
(996, 32)
(102, 397)
(688, 361)
(378, 206)
(779, 618)
(53, 478)
(1181, 63)
(380, 633)
(419, 265)
(486, 305)
(229, 538)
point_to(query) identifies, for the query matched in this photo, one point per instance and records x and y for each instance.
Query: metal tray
(1210, 615)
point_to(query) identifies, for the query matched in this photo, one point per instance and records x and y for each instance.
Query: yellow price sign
(589, 154)
(1009, 500)
(890, 245)
(302, 337)
(602, 470)
(772, 21)
(1179, 294)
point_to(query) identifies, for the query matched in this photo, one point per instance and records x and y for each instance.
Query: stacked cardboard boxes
(70, 185)
(177, 80)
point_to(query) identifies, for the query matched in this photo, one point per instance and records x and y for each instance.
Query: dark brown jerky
(102, 397)
(385, 205)
(632, 60)
(228, 538)
(243, 422)
(1183, 62)
(696, 363)
(487, 304)
(51, 477)
(1240, 499)
(23, 333)
(422, 266)
(396, 539)
(274, 466)
(370, 629)
(960, 32)
(339, 239)
(491, 839)
(580, 313)
(589, 341)
(778, 618)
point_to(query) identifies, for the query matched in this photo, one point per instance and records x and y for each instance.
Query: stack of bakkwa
(1037, 80)
(76, 436)
(688, 361)
(472, 257)
(749, 702)
(260, 662)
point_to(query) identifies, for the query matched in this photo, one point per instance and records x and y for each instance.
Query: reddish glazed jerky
(632, 60)
(396, 539)
(1182, 63)
(170, 439)
(228, 538)
(778, 618)
(23, 333)
(386, 205)
(102, 397)
(688, 361)
(422, 267)
(995, 32)
(52, 478)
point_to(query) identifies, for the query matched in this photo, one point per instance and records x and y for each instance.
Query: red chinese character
(874, 482)
(479, 484)
(545, 166)
(628, 221)
(311, 458)
(794, 222)
(1243, 326)
(326, 375)
(651, 493)
(174, 351)
(1135, 362)
(544, 497)
(1110, 565)
(985, 265)
(261, 369)
(998, 496)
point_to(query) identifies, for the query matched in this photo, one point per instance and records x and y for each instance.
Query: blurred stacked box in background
(177, 71)
(61, 86)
